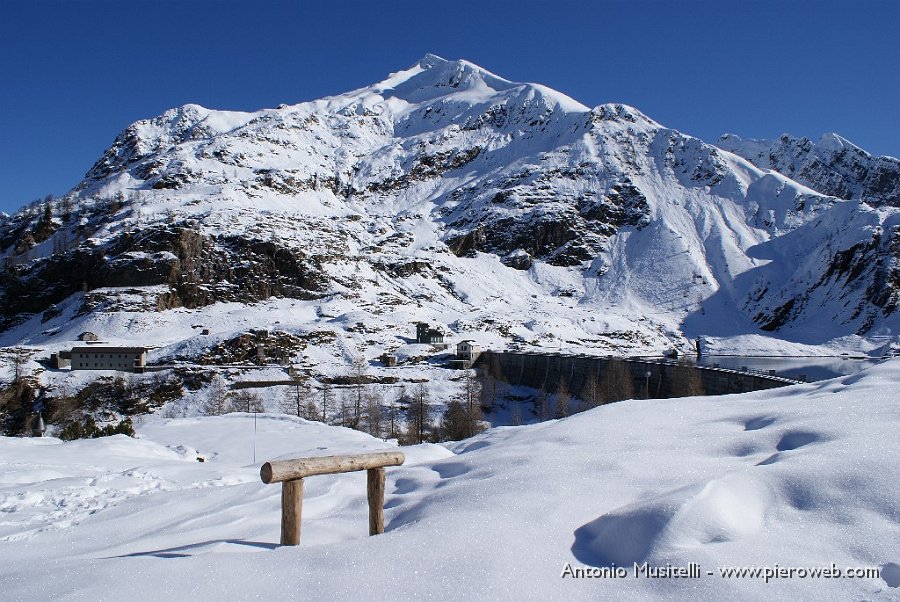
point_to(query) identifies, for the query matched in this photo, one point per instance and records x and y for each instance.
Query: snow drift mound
(723, 509)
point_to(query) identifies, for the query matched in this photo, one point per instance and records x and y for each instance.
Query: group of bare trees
(615, 383)
(406, 413)
(220, 400)
(363, 406)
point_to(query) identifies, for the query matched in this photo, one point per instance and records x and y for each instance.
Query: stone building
(125, 359)
(62, 359)
(428, 335)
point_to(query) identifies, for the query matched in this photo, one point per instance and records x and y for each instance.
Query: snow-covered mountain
(833, 165)
(505, 212)
(852, 274)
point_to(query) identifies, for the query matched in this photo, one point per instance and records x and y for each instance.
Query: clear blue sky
(74, 73)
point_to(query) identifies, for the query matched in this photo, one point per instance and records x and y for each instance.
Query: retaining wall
(666, 378)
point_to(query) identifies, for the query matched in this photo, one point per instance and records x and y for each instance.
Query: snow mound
(723, 509)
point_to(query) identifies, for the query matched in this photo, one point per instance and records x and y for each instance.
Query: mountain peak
(834, 142)
(449, 186)
(432, 74)
(829, 142)
(430, 61)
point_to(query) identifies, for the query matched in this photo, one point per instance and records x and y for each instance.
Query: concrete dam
(583, 375)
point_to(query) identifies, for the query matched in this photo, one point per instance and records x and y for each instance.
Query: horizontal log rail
(290, 473)
(287, 470)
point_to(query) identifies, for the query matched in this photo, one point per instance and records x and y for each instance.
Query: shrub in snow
(88, 429)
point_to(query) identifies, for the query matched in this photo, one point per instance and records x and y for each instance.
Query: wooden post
(291, 511)
(376, 500)
(290, 473)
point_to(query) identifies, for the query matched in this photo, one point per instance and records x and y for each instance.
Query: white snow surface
(803, 476)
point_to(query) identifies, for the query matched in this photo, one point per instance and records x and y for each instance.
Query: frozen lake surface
(808, 368)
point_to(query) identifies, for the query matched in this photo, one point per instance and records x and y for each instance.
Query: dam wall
(583, 375)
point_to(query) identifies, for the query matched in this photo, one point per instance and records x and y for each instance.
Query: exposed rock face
(253, 347)
(535, 221)
(198, 270)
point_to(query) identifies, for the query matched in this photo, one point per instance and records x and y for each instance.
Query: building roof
(95, 349)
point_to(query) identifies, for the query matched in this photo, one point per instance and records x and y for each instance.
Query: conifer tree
(592, 391)
(359, 378)
(296, 399)
(454, 422)
(373, 414)
(217, 397)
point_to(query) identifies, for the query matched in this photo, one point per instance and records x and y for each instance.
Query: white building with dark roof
(468, 350)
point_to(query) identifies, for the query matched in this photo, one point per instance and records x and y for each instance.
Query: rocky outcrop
(198, 270)
(558, 229)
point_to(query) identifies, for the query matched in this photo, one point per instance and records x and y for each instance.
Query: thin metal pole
(254, 437)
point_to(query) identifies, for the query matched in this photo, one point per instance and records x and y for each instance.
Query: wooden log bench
(290, 473)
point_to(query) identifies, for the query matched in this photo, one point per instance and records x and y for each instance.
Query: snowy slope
(505, 212)
(804, 476)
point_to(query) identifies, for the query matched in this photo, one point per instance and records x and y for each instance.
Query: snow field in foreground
(803, 476)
